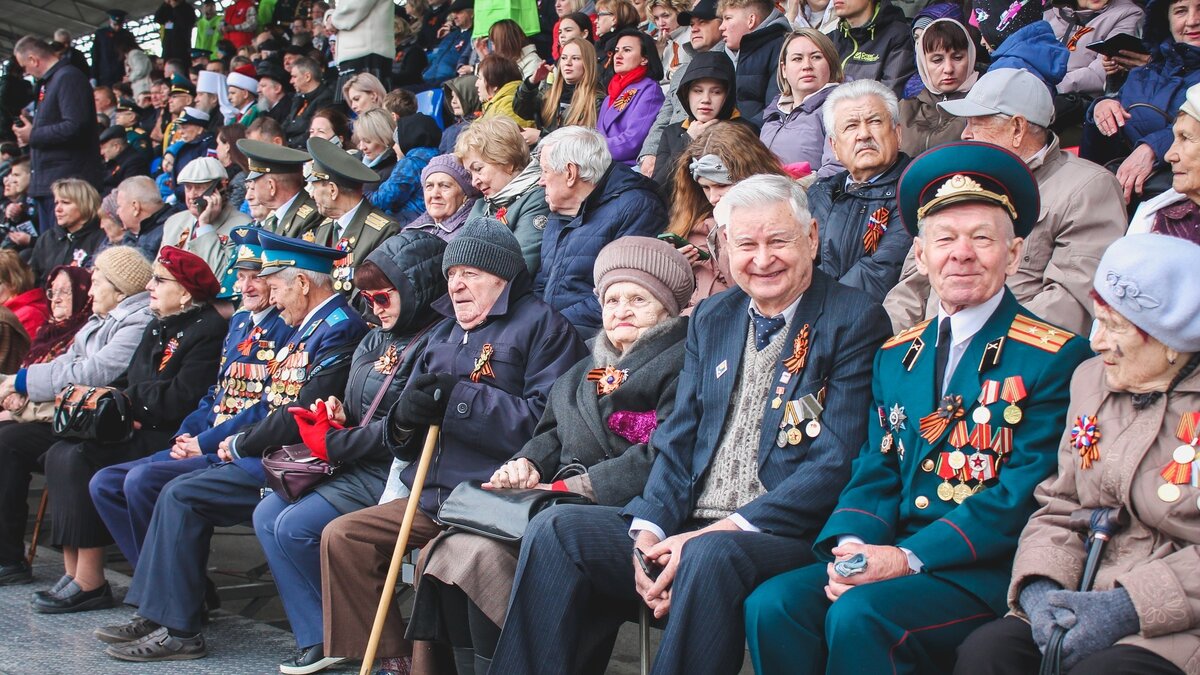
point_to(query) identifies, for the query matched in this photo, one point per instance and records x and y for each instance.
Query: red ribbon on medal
(989, 393)
(981, 467)
(1187, 429)
(981, 436)
(934, 424)
(1177, 473)
(1014, 389)
(795, 363)
(1003, 442)
(959, 435)
(944, 470)
(483, 365)
(876, 226)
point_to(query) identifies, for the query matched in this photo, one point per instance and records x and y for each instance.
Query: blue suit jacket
(845, 329)
(200, 422)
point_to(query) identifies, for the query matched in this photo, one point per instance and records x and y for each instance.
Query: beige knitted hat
(652, 264)
(125, 268)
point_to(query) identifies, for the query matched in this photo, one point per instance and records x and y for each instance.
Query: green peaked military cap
(333, 163)
(969, 171)
(265, 158)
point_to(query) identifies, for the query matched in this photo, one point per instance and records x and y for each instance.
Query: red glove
(314, 426)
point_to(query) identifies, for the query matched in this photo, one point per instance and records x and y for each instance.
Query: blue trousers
(574, 588)
(908, 624)
(290, 535)
(168, 583)
(124, 495)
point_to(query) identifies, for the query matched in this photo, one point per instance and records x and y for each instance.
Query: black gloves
(418, 405)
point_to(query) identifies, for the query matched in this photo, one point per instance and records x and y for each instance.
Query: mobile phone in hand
(649, 569)
(679, 242)
(201, 202)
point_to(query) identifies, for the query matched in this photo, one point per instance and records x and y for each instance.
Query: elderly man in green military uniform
(351, 223)
(969, 407)
(275, 183)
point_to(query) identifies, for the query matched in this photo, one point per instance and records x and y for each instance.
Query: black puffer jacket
(412, 261)
(881, 49)
(675, 138)
(757, 63)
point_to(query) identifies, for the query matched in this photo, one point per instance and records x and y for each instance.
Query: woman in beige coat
(1131, 442)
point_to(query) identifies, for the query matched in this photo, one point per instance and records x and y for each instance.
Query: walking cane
(410, 512)
(1101, 525)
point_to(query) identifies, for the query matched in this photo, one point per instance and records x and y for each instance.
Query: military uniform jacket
(211, 243)
(314, 364)
(232, 403)
(893, 494)
(366, 231)
(300, 218)
(845, 330)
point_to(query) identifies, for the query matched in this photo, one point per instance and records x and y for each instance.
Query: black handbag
(98, 414)
(501, 514)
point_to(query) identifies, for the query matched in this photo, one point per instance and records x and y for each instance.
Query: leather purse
(501, 514)
(292, 471)
(99, 414)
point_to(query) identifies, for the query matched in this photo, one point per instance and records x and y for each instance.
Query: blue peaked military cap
(248, 248)
(279, 253)
(969, 171)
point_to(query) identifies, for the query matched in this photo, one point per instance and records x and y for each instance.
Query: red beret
(191, 272)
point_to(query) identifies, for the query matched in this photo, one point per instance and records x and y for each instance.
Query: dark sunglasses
(381, 299)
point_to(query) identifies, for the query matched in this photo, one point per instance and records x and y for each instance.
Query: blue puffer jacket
(445, 58)
(622, 203)
(1153, 93)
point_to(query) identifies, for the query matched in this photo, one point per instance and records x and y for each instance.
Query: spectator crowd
(861, 335)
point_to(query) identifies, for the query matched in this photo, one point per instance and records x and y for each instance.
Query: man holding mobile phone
(62, 136)
(206, 226)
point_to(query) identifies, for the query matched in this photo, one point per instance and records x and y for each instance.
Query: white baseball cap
(1006, 91)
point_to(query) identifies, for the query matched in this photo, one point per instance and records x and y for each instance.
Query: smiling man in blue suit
(777, 376)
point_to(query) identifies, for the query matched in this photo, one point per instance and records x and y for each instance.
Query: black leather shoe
(55, 589)
(16, 573)
(309, 660)
(74, 599)
(120, 633)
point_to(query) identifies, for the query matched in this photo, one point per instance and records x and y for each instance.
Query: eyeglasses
(53, 295)
(599, 14)
(380, 299)
(155, 280)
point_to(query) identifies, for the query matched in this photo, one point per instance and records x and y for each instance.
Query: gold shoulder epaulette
(304, 211)
(1038, 334)
(377, 221)
(906, 335)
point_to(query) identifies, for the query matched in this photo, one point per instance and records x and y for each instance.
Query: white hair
(582, 146)
(859, 89)
(320, 280)
(141, 189)
(762, 190)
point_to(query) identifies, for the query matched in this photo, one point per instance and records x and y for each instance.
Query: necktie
(766, 328)
(270, 223)
(943, 354)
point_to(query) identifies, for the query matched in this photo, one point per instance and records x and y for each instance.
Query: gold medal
(794, 436)
(813, 429)
(1184, 454)
(1169, 492)
(961, 492)
(1012, 414)
(945, 491)
(981, 415)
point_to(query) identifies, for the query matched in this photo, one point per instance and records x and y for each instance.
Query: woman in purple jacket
(634, 96)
